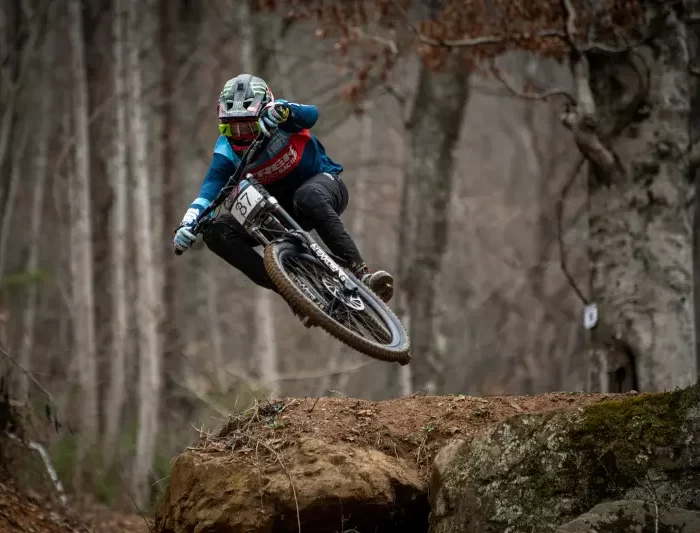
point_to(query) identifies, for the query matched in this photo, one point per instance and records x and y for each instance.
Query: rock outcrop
(634, 515)
(536, 472)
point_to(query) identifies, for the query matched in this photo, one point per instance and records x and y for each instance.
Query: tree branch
(385, 42)
(538, 95)
(393, 91)
(46, 393)
(583, 121)
(560, 231)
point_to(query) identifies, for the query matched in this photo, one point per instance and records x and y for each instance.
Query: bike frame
(257, 219)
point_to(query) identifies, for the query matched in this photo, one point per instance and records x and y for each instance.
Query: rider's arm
(301, 117)
(222, 166)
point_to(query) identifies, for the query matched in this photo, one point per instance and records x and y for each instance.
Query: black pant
(315, 204)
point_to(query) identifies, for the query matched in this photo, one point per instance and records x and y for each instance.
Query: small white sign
(590, 316)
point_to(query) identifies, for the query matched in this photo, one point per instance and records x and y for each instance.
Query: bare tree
(83, 304)
(147, 269)
(119, 174)
(255, 61)
(44, 117)
(431, 134)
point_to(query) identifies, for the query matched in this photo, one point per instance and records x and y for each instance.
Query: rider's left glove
(273, 114)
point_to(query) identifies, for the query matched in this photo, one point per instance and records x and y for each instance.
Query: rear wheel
(358, 318)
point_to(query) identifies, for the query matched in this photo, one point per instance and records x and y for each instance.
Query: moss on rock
(534, 472)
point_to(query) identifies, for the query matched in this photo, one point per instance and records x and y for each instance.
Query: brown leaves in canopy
(487, 28)
(479, 29)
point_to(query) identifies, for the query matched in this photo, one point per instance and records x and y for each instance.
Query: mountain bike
(309, 278)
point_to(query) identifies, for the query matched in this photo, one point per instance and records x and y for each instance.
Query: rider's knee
(310, 200)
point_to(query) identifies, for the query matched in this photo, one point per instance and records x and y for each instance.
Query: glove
(273, 114)
(184, 238)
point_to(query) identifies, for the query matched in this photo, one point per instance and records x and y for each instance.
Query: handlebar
(257, 146)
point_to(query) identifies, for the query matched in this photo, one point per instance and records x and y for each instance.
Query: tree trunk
(81, 241)
(266, 338)
(255, 60)
(215, 336)
(640, 226)
(694, 46)
(406, 227)
(148, 304)
(432, 132)
(40, 170)
(119, 177)
(169, 14)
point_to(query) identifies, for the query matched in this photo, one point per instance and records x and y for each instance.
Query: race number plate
(244, 203)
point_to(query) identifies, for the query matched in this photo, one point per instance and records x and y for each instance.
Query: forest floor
(24, 512)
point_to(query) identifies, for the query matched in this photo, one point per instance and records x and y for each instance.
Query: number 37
(240, 206)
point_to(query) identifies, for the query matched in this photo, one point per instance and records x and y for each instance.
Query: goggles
(238, 128)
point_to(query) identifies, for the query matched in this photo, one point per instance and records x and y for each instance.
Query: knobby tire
(399, 352)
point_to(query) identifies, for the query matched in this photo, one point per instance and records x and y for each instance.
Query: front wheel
(359, 319)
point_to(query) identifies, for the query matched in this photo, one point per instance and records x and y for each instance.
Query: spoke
(366, 323)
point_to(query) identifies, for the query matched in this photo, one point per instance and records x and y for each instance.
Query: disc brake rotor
(352, 301)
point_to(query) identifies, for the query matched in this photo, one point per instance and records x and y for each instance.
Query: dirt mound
(328, 464)
(413, 428)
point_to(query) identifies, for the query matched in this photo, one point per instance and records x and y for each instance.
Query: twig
(289, 475)
(387, 43)
(128, 493)
(159, 480)
(543, 95)
(393, 91)
(560, 231)
(314, 405)
(29, 375)
(649, 487)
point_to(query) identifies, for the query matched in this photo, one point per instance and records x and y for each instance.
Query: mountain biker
(294, 168)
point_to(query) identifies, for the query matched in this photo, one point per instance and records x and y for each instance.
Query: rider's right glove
(184, 238)
(273, 114)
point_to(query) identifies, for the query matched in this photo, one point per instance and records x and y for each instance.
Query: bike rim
(355, 312)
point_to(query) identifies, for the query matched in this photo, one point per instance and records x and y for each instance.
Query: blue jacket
(292, 156)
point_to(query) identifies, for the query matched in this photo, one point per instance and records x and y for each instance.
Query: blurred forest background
(478, 198)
